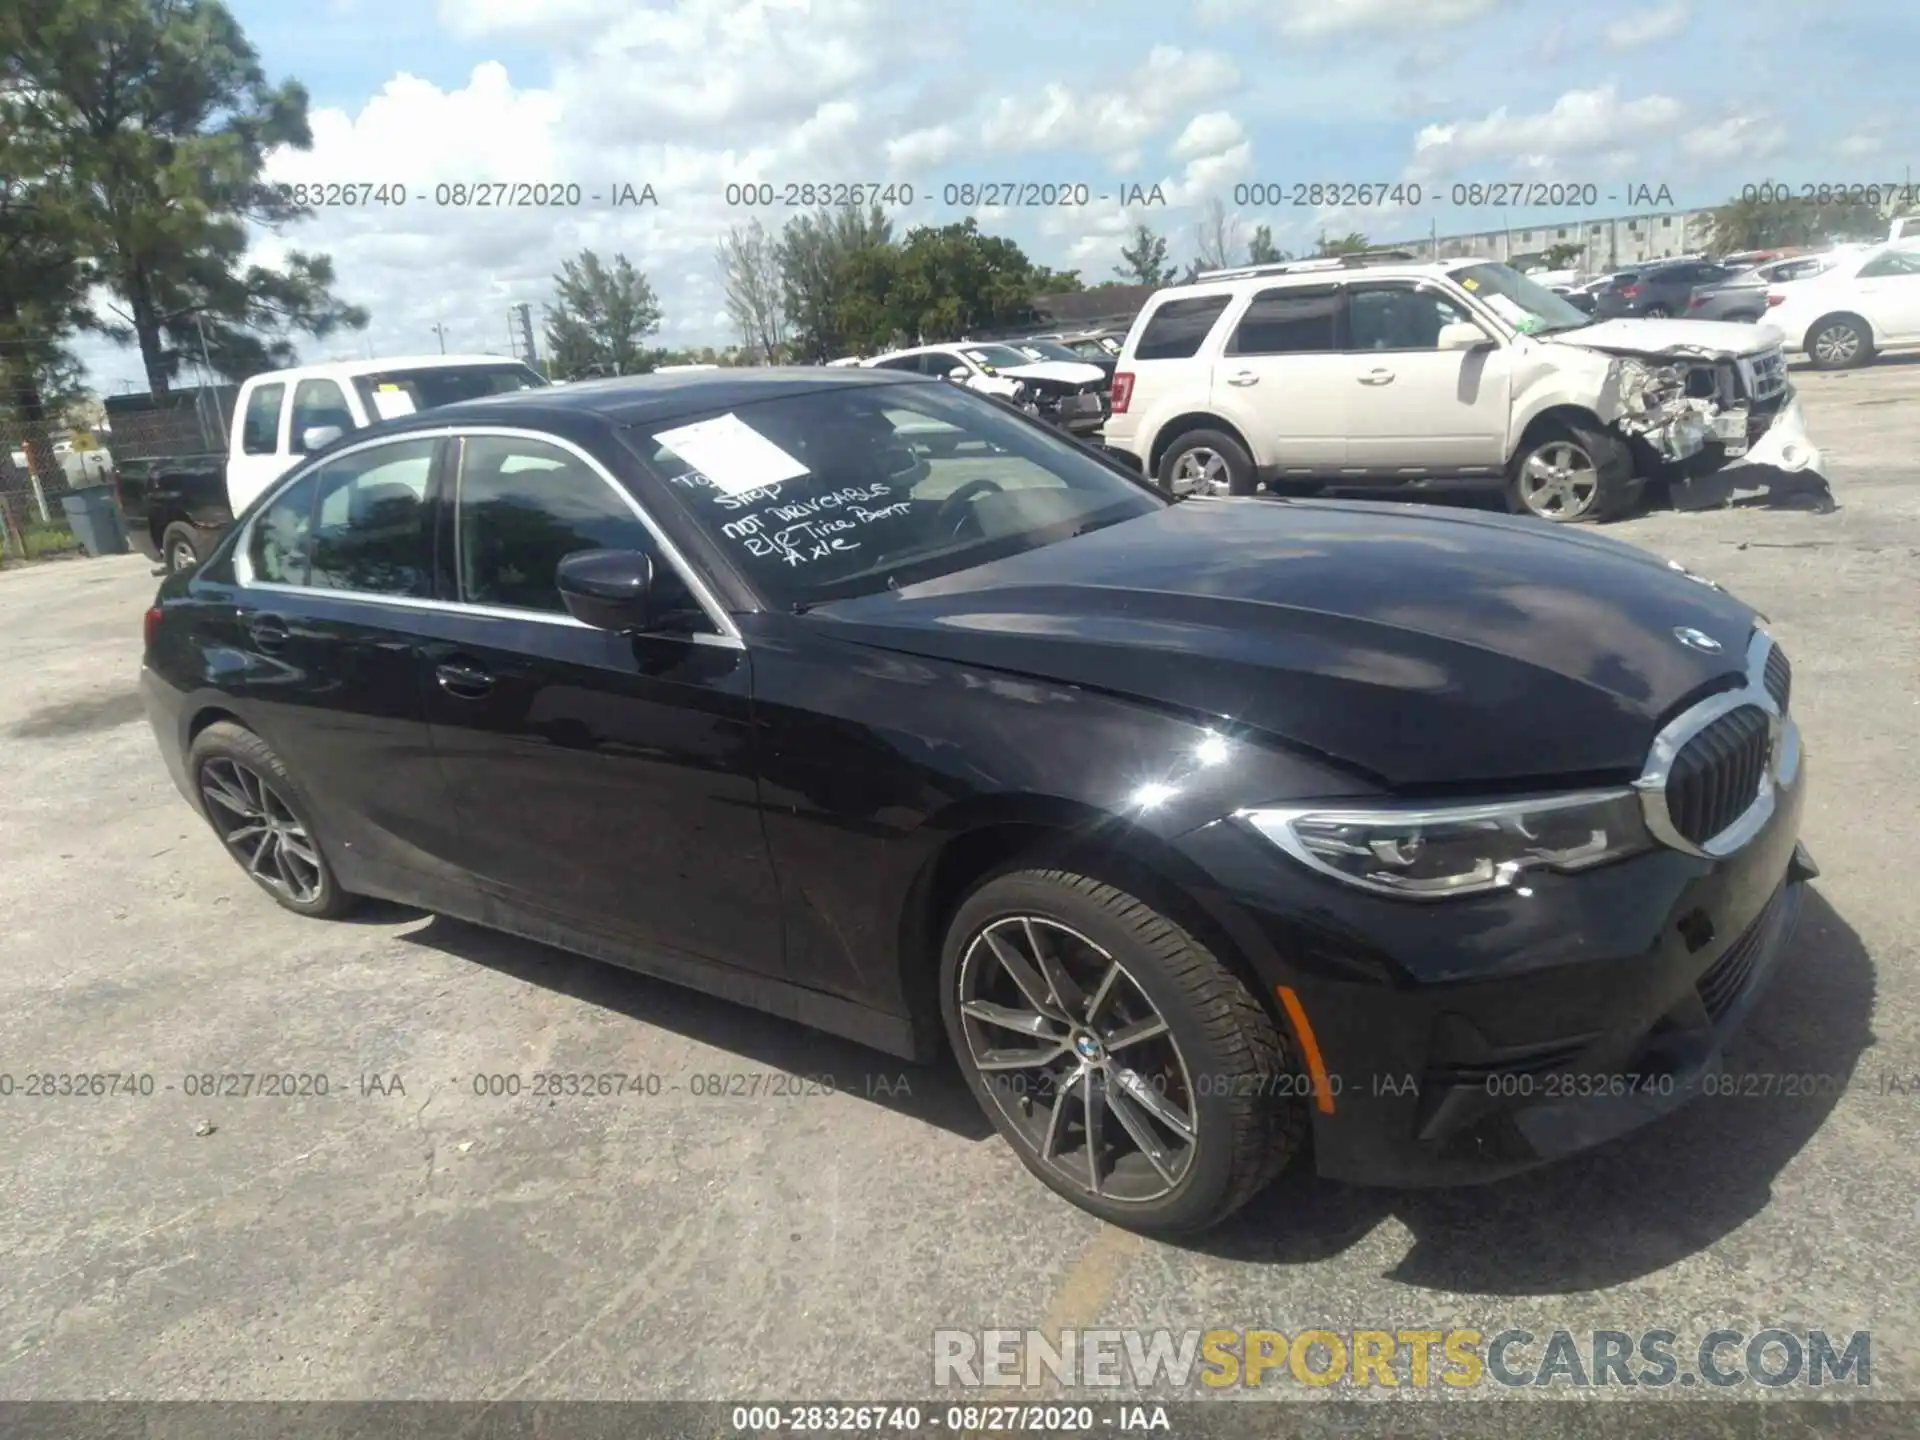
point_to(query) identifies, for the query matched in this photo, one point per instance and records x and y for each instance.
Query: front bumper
(1785, 446)
(1468, 1040)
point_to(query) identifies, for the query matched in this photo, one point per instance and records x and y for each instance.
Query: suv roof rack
(1357, 260)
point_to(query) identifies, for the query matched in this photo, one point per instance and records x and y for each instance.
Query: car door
(1281, 381)
(333, 572)
(1889, 290)
(605, 783)
(254, 457)
(1414, 409)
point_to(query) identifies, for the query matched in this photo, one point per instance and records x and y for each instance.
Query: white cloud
(1580, 124)
(1207, 135)
(1736, 138)
(924, 149)
(1648, 27)
(1863, 144)
(1313, 18)
(1110, 118)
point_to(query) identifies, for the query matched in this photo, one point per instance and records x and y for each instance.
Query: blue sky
(1197, 96)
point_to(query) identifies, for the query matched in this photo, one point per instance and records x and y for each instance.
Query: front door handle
(1380, 376)
(462, 678)
(1243, 377)
(269, 632)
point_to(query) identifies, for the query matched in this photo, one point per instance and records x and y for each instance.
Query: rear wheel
(1570, 472)
(1130, 1070)
(178, 547)
(1656, 312)
(1839, 342)
(262, 818)
(1208, 462)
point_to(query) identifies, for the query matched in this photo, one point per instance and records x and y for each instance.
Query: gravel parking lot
(403, 1236)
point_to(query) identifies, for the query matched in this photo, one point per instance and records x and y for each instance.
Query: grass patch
(41, 540)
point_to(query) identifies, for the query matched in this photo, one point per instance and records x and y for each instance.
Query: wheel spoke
(1032, 984)
(1134, 1033)
(1057, 1117)
(1008, 1018)
(1127, 1112)
(1066, 992)
(296, 844)
(1101, 995)
(246, 833)
(223, 792)
(261, 854)
(1090, 1088)
(1031, 1058)
(1153, 1102)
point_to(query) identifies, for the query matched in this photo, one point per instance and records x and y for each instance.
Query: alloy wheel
(1201, 471)
(181, 556)
(1078, 1060)
(1836, 345)
(261, 830)
(1559, 481)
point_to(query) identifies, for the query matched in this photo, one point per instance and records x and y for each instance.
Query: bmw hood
(1424, 647)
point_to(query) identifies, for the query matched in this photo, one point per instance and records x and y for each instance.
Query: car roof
(649, 399)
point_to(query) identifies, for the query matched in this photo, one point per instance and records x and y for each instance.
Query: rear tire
(1569, 473)
(264, 820)
(1094, 971)
(1208, 462)
(178, 547)
(1839, 342)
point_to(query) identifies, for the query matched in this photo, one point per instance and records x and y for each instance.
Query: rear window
(430, 388)
(1177, 329)
(1288, 322)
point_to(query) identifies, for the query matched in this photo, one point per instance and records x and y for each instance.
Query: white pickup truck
(177, 500)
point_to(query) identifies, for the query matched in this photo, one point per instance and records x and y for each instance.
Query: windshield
(880, 486)
(995, 357)
(1527, 306)
(1048, 350)
(434, 386)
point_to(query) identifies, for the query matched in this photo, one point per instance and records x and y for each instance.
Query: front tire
(1568, 473)
(1839, 342)
(1208, 462)
(1129, 1069)
(263, 820)
(178, 547)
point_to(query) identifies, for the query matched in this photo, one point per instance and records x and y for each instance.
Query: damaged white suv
(1381, 371)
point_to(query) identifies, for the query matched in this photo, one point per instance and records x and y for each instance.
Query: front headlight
(1438, 852)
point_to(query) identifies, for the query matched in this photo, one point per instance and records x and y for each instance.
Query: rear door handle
(1377, 377)
(464, 679)
(1243, 377)
(269, 632)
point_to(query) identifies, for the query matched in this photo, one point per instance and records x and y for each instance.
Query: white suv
(1381, 371)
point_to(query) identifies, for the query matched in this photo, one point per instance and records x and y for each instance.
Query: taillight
(152, 627)
(1773, 300)
(1122, 391)
(1629, 292)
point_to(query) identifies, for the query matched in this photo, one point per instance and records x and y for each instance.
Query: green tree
(1144, 262)
(164, 118)
(953, 281)
(814, 252)
(1756, 224)
(43, 285)
(600, 318)
(1562, 255)
(1217, 236)
(749, 263)
(1351, 243)
(1261, 250)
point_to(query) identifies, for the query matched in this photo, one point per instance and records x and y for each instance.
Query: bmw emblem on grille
(1696, 639)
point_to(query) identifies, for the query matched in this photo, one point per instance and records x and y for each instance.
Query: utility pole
(441, 331)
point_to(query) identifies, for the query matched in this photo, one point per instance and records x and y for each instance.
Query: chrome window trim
(729, 634)
(1781, 773)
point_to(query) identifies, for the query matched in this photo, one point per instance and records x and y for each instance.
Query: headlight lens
(1436, 853)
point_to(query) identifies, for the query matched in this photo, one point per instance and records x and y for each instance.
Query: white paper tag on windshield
(732, 454)
(392, 404)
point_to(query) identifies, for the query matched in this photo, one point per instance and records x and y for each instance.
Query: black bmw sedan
(1194, 830)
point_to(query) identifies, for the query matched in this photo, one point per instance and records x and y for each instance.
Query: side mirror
(960, 373)
(318, 437)
(608, 589)
(1465, 335)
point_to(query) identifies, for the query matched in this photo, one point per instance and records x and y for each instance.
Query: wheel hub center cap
(1089, 1048)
